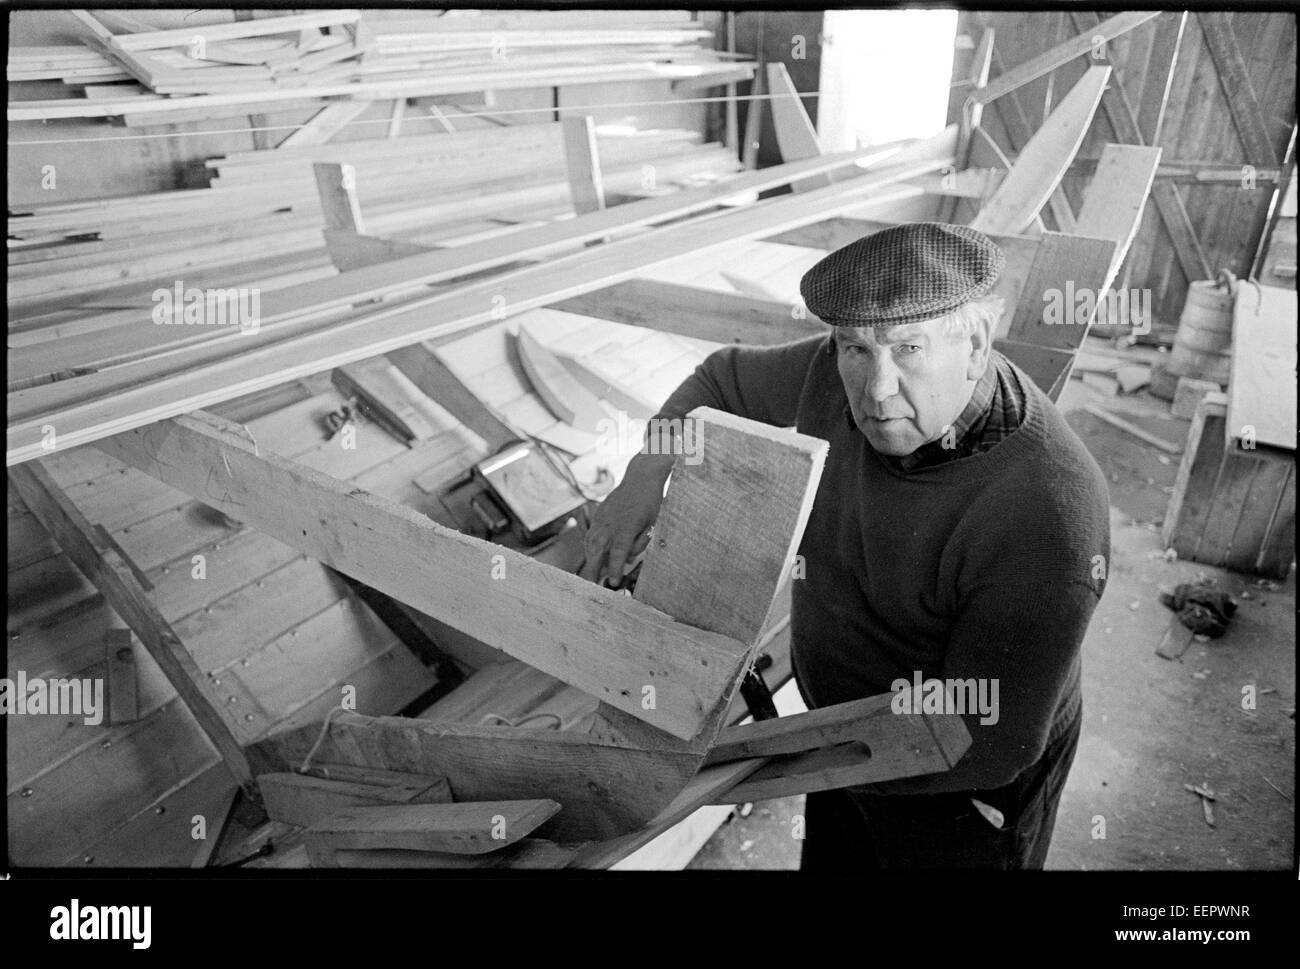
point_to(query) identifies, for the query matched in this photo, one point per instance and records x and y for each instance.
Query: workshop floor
(1151, 725)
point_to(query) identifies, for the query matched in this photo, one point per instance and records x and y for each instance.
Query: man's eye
(853, 348)
(908, 348)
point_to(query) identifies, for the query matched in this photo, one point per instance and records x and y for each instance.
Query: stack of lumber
(144, 372)
(264, 206)
(328, 54)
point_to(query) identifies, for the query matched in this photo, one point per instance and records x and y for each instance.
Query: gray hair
(962, 321)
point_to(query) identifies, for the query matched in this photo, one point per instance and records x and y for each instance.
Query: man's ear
(981, 346)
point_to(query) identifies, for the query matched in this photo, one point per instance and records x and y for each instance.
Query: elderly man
(960, 531)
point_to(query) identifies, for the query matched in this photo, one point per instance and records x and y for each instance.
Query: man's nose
(882, 380)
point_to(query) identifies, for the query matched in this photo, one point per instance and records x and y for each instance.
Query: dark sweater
(984, 566)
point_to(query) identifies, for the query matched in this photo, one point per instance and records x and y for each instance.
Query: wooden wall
(1208, 119)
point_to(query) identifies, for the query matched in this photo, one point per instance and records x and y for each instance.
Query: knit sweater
(988, 566)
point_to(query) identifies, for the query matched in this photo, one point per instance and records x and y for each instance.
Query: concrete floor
(1150, 725)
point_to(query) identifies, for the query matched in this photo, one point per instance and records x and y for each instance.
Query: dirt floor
(1151, 725)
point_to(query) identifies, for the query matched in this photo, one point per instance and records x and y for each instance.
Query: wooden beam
(753, 123)
(896, 745)
(795, 134)
(1234, 78)
(582, 160)
(1044, 160)
(594, 638)
(424, 368)
(108, 402)
(220, 711)
(1061, 54)
(1170, 28)
(337, 184)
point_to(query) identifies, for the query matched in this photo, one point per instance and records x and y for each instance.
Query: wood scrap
(568, 399)
(1130, 428)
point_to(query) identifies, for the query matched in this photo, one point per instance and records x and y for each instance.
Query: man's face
(907, 384)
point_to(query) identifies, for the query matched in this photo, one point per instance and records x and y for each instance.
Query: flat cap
(904, 274)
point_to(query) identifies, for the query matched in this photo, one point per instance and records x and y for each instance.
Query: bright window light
(884, 76)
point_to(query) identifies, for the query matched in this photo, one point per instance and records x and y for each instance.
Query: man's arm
(1024, 637)
(761, 383)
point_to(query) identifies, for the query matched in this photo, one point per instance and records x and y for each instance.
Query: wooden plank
(607, 788)
(1262, 386)
(325, 124)
(351, 250)
(1113, 204)
(721, 551)
(1243, 105)
(703, 314)
(1065, 279)
(540, 615)
(119, 406)
(1061, 54)
(303, 800)
(568, 400)
(297, 302)
(1044, 160)
(422, 365)
(1198, 472)
(469, 828)
(583, 163)
(249, 28)
(374, 384)
(115, 580)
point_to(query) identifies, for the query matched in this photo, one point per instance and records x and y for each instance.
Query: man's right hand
(620, 529)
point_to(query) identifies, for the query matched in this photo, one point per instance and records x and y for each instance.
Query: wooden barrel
(1203, 344)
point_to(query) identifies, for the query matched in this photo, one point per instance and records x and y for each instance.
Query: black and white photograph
(618, 445)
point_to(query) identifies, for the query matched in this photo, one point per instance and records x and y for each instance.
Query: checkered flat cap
(904, 274)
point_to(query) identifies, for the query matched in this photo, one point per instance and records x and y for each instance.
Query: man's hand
(621, 528)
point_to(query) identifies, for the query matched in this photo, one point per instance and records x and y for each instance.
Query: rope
(324, 729)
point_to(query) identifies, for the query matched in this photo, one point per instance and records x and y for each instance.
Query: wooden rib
(1044, 160)
(567, 399)
(1060, 54)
